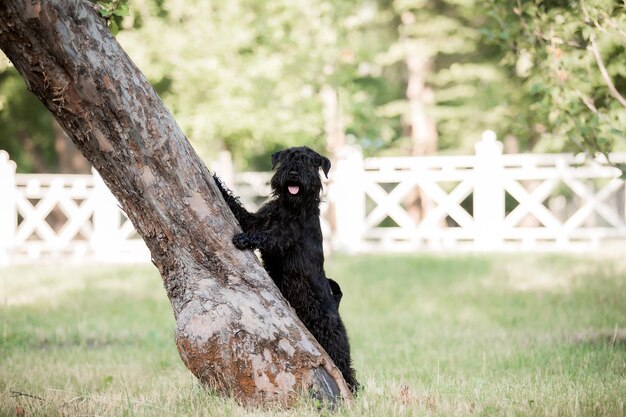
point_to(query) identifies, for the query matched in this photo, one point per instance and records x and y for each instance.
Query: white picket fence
(485, 202)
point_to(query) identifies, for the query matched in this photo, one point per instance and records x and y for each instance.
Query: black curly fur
(287, 232)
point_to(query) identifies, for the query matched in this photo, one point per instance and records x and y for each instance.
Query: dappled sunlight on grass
(49, 284)
(24, 285)
(431, 335)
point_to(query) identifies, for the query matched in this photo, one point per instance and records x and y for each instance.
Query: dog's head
(296, 176)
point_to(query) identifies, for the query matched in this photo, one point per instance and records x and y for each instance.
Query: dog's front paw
(242, 241)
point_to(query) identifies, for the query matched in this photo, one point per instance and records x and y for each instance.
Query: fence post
(106, 221)
(8, 208)
(489, 196)
(348, 195)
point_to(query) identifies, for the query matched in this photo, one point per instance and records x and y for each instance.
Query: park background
(434, 331)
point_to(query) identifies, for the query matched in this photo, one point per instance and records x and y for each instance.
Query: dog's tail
(335, 289)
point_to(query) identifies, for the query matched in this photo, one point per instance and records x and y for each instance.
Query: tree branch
(605, 74)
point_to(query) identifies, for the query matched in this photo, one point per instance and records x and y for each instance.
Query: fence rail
(486, 201)
(492, 201)
(54, 217)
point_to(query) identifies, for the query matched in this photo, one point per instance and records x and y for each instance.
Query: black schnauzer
(287, 232)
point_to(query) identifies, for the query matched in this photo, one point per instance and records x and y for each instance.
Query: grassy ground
(519, 335)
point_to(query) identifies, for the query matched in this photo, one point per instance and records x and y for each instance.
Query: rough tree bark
(234, 330)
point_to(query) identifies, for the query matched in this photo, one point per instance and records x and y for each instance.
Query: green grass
(514, 335)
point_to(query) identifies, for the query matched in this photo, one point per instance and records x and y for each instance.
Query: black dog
(287, 232)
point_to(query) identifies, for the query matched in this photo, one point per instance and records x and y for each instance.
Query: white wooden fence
(487, 201)
(68, 217)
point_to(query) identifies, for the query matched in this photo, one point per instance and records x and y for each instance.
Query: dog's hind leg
(330, 332)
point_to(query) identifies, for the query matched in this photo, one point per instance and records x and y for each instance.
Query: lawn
(463, 335)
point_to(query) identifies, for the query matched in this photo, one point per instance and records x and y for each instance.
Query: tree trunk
(335, 140)
(333, 126)
(422, 127)
(234, 330)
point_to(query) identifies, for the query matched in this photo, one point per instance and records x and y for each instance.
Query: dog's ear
(275, 158)
(325, 165)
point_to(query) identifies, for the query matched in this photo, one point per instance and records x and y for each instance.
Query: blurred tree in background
(437, 46)
(570, 60)
(395, 76)
(25, 127)
(238, 75)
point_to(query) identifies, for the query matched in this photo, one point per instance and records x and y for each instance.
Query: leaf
(113, 27)
(122, 10)
(106, 8)
(106, 12)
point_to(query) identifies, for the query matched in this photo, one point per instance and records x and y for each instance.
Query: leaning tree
(234, 331)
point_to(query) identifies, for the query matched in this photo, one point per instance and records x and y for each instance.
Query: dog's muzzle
(292, 186)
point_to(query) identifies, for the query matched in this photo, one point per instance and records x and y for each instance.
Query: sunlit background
(474, 214)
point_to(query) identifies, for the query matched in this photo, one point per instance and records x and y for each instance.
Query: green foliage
(113, 11)
(467, 84)
(549, 46)
(25, 125)
(240, 75)
(522, 335)
(246, 75)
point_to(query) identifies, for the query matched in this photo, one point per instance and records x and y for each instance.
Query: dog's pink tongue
(293, 189)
